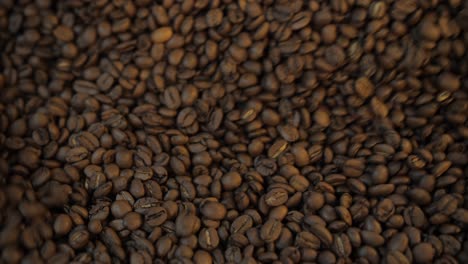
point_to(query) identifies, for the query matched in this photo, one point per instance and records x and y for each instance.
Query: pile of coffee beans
(233, 131)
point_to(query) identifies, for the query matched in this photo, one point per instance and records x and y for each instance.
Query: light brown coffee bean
(162, 34)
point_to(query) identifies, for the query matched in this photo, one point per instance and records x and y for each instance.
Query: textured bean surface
(233, 131)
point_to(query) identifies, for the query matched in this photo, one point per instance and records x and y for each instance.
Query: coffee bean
(276, 197)
(214, 17)
(120, 208)
(186, 224)
(353, 167)
(289, 133)
(364, 87)
(241, 224)
(372, 238)
(124, 159)
(423, 253)
(213, 210)
(155, 216)
(277, 148)
(322, 233)
(396, 257)
(231, 180)
(161, 35)
(301, 155)
(62, 224)
(270, 230)
(63, 33)
(342, 245)
(299, 182)
(78, 238)
(76, 154)
(208, 238)
(300, 20)
(307, 240)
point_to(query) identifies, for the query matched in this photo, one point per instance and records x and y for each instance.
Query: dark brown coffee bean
(364, 87)
(353, 167)
(307, 240)
(241, 224)
(423, 253)
(62, 224)
(461, 215)
(161, 35)
(124, 159)
(214, 17)
(213, 210)
(372, 238)
(208, 238)
(276, 197)
(163, 246)
(76, 154)
(322, 118)
(231, 180)
(120, 208)
(278, 147)
(326, 256)
(342, 245)
(396, 257)
(322, 233)
(301, 155)
(419, 196)
(63, 33)
(315, 200)
(155, 216)
(289, 133)
(270, 230)
(78, 238)
(300, 20)
(172, 97)
(299, 182)
(186, 224)
(202, 256)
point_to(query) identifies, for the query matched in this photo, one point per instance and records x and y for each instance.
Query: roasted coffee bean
(120, 208)
(62, 224)
(270, 230)
(208, 238)
(241, 224)
(213, 210)
(186, 224)
(124, 159)
(289, 133)
(78, 238)
(322, 233)
(161, 35)
(76, 154)
(307, 240)
(276, 197)
(278, 147)
(63, 33)
(231, 180)
(423, 253)
(396, 257)
(155, 216)
(353, 168)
